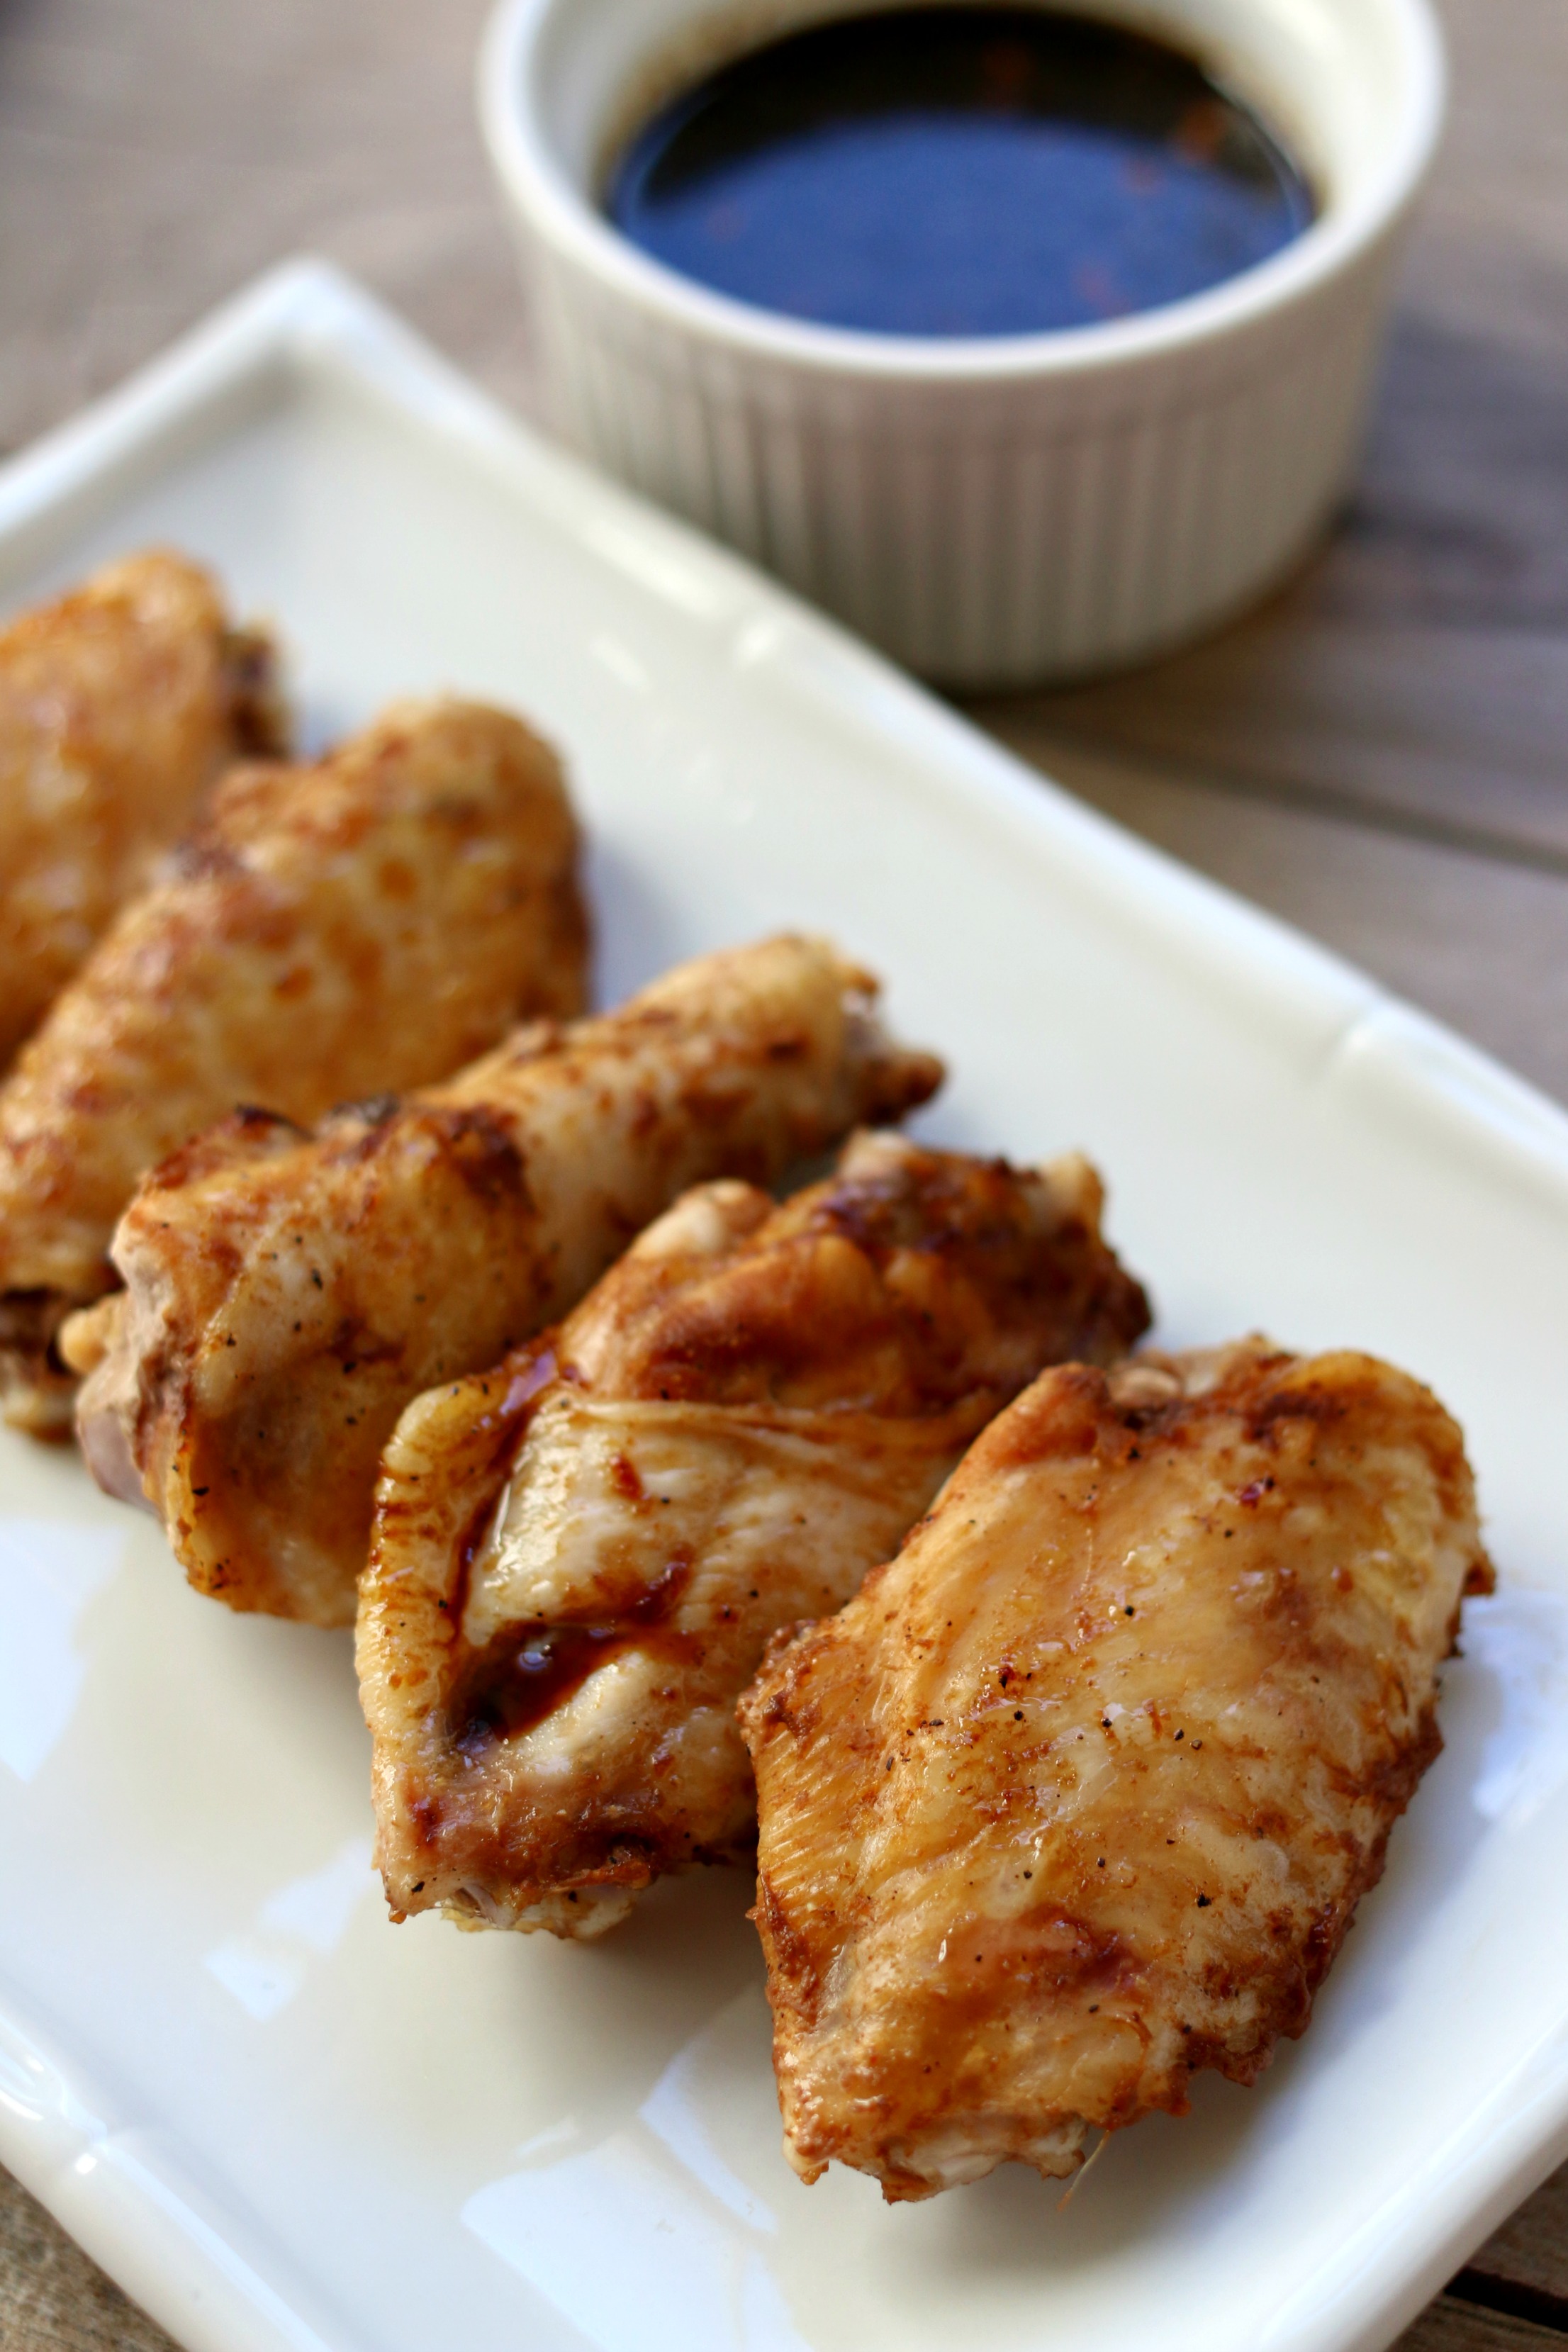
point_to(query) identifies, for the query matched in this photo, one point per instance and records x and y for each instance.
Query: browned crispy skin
(745, 1413)
(369, 922)
(1080, 1793)
(287, 1294)
(118, 705)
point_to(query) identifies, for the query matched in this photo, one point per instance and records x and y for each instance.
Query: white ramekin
(990, 511)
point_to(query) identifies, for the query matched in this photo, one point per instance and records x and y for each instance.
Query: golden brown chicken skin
(744, 1416)
(369, 922)
(119, 704)
(1080, 1793)
(288, 1293)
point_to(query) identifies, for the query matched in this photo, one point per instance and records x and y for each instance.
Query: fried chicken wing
(1079, 1794)
(747, 1412)
(119, 704)
(287, 1294)
(373, 921)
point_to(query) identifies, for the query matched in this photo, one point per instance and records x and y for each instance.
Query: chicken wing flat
(371, 921)
(742, 1418)
(118, 705)
(1080, 1793)
(287, 1294)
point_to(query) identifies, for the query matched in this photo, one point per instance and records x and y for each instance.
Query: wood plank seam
(1371, 814)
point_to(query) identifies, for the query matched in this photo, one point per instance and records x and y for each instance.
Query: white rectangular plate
(278, 2120)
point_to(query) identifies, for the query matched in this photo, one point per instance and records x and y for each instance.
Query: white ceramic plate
(278, 2121)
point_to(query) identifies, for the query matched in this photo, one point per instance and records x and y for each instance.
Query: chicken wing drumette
(287, 1293)
(118, 705)
(1080, 1794)
(743, 1416)
(369, 922)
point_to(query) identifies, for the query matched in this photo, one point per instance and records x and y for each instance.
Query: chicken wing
(287, 1294)
(1080, 1793)
(745, 1414)
(117, 704)
(371, 921)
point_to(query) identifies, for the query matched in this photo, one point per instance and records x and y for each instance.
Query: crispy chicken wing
(117, 704)
(1080, 1793)
(743, 1416)
(287, 1294)
(369, 922)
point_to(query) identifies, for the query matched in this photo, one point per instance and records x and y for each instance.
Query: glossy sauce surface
(958, 171)
(508, 1688)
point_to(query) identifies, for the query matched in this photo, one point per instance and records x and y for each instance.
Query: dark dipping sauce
(959, 171)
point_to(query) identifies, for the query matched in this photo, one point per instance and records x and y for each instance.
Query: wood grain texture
(1380, 754)
(154, 155)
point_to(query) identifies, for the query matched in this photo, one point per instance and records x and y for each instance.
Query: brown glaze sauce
(508, 1688)
(530, 1369)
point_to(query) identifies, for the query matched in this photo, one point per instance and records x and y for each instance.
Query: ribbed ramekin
(999, 511)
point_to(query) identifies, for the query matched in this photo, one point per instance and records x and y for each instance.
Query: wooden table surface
(1379, 755)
